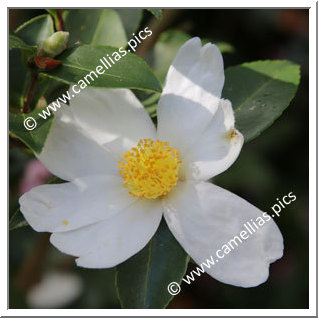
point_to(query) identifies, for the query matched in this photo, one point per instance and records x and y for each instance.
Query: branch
(157, 26)
(60, 26)
(30, 93)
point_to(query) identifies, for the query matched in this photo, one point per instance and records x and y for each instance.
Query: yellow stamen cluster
(150, 170)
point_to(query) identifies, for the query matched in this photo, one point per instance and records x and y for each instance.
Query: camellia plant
(134, 153)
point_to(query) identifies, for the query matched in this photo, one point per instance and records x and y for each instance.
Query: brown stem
(157, 26)
(60, 26)
(30, 93)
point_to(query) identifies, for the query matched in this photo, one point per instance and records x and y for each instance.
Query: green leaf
(55, 90)
(152, 99)
(56, 180)
(131, 19)
(142, 280)
(36, 30)
(34, 139)
(96, 26)
(54, 14)
(18, 88)
(259, 92)
(224, 47)
(129, 72)
(151, 104)
(17, 220)
(156, 12)
(17, 43)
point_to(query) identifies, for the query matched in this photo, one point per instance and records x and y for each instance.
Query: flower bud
(54, 45)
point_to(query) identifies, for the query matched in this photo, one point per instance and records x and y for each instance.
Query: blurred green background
(269, 167)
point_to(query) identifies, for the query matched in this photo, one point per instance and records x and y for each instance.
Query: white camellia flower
(124, 174)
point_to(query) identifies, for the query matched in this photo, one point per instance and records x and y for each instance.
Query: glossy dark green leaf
(19, 81)
(151, 104)
(17, 43)
(34, 139)
(17, 220)
(142, 280)
(79, 63)
(55, 180)
(152, 99)
(54, 14)
(36, 30)
(130, 19)
(224, 47)
(55, 90)
(259, 92)
(96, 26)
(156, 12)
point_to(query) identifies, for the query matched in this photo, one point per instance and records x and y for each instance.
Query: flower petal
(204, 218)
(70, 153)
(114, 118)
(216, 149)
(191, 94)
(71, 205)
(112, 241)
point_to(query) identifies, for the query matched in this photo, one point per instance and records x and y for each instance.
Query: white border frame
(312, 166)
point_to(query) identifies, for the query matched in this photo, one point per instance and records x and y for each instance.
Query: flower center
(150, 170)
